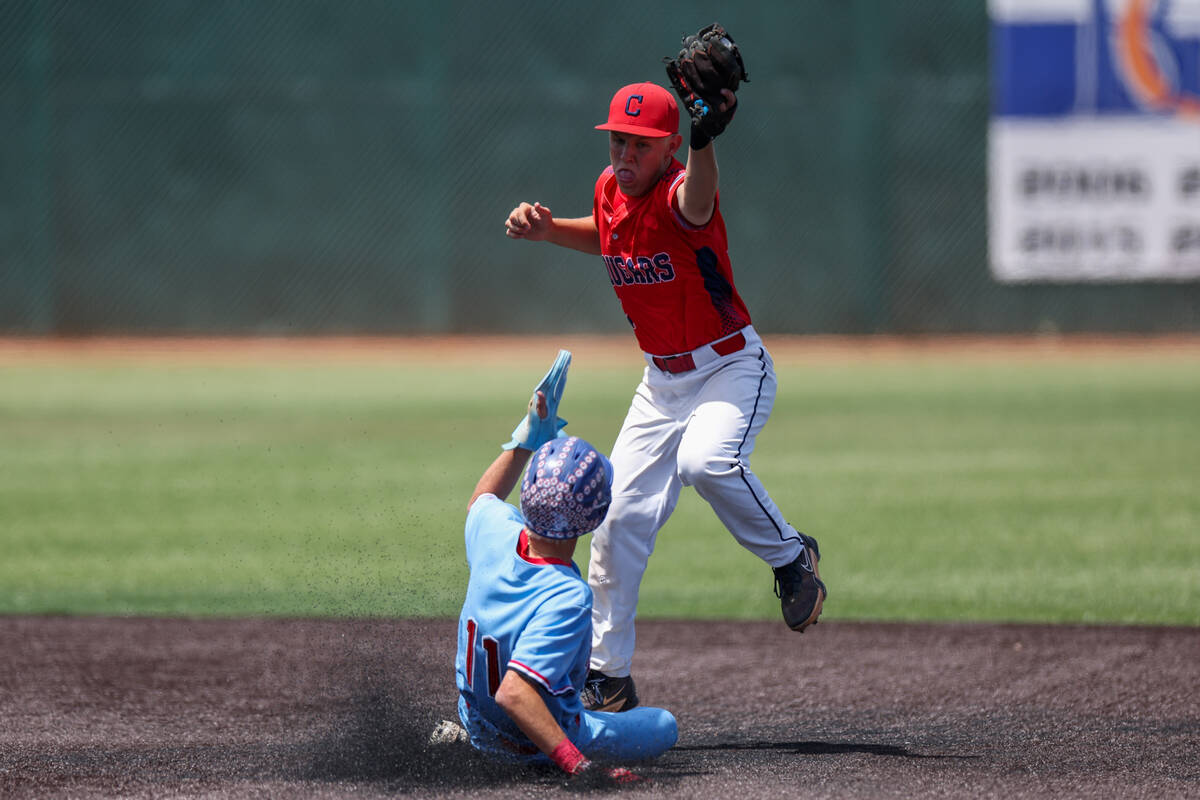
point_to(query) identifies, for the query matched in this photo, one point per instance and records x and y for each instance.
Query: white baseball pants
(694, 428)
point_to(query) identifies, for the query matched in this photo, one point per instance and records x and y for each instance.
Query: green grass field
(1054, 488)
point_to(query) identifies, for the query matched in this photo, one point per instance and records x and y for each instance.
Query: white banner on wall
(1094, 144)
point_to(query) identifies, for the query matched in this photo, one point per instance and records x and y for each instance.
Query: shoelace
(789, 577)
(591, 690)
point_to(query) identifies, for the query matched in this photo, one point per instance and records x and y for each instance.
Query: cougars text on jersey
(640, 269)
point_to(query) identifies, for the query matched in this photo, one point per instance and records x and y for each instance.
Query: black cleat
(604, 693)
(799, 588)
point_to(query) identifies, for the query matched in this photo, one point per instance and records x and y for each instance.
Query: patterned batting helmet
(567, 489)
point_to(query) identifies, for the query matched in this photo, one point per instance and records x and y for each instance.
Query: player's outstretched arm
(502, 475)
(539, 425)
(537, 223)
(705, 74)
(697, 195)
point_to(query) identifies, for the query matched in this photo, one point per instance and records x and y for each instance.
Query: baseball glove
(709, 62)
(533, 431)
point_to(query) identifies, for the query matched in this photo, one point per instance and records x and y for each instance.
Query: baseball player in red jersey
(708, 386)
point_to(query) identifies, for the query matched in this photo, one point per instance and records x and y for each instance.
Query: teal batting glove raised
(534, 431)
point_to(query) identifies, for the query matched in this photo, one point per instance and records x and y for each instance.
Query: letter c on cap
(630, 109)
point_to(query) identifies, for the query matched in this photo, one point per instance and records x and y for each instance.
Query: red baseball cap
(643, 109)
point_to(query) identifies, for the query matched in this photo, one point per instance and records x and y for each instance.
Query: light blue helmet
(567, 489)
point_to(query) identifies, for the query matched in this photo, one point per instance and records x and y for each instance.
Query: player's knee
(698, 465)
(653, 732)
(691, 463)
(662, 733)
(668, 730)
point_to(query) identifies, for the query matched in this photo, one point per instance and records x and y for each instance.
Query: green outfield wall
(306, 167)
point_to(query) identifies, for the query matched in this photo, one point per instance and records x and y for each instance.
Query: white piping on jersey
(683, 223)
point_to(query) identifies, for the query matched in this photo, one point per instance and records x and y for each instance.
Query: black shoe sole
(814, 558)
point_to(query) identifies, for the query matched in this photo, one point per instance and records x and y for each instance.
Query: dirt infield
(144, 708)
(152, 708)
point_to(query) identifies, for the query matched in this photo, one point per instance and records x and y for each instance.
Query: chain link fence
(310, 167)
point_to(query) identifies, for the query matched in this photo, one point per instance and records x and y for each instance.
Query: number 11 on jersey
(491, 649)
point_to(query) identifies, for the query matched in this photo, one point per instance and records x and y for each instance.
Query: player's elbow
(507, 701)
(697, 203)
(511, 694)
(698, 216)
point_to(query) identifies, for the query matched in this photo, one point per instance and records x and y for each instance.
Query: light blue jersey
(530, 614)
(534, 615)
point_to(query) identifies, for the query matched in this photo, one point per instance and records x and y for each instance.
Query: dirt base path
(99, 707)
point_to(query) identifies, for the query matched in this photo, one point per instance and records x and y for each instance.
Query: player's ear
(676, 141)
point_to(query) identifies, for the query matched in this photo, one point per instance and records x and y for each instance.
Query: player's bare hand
(532, 222)
(538, 403)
